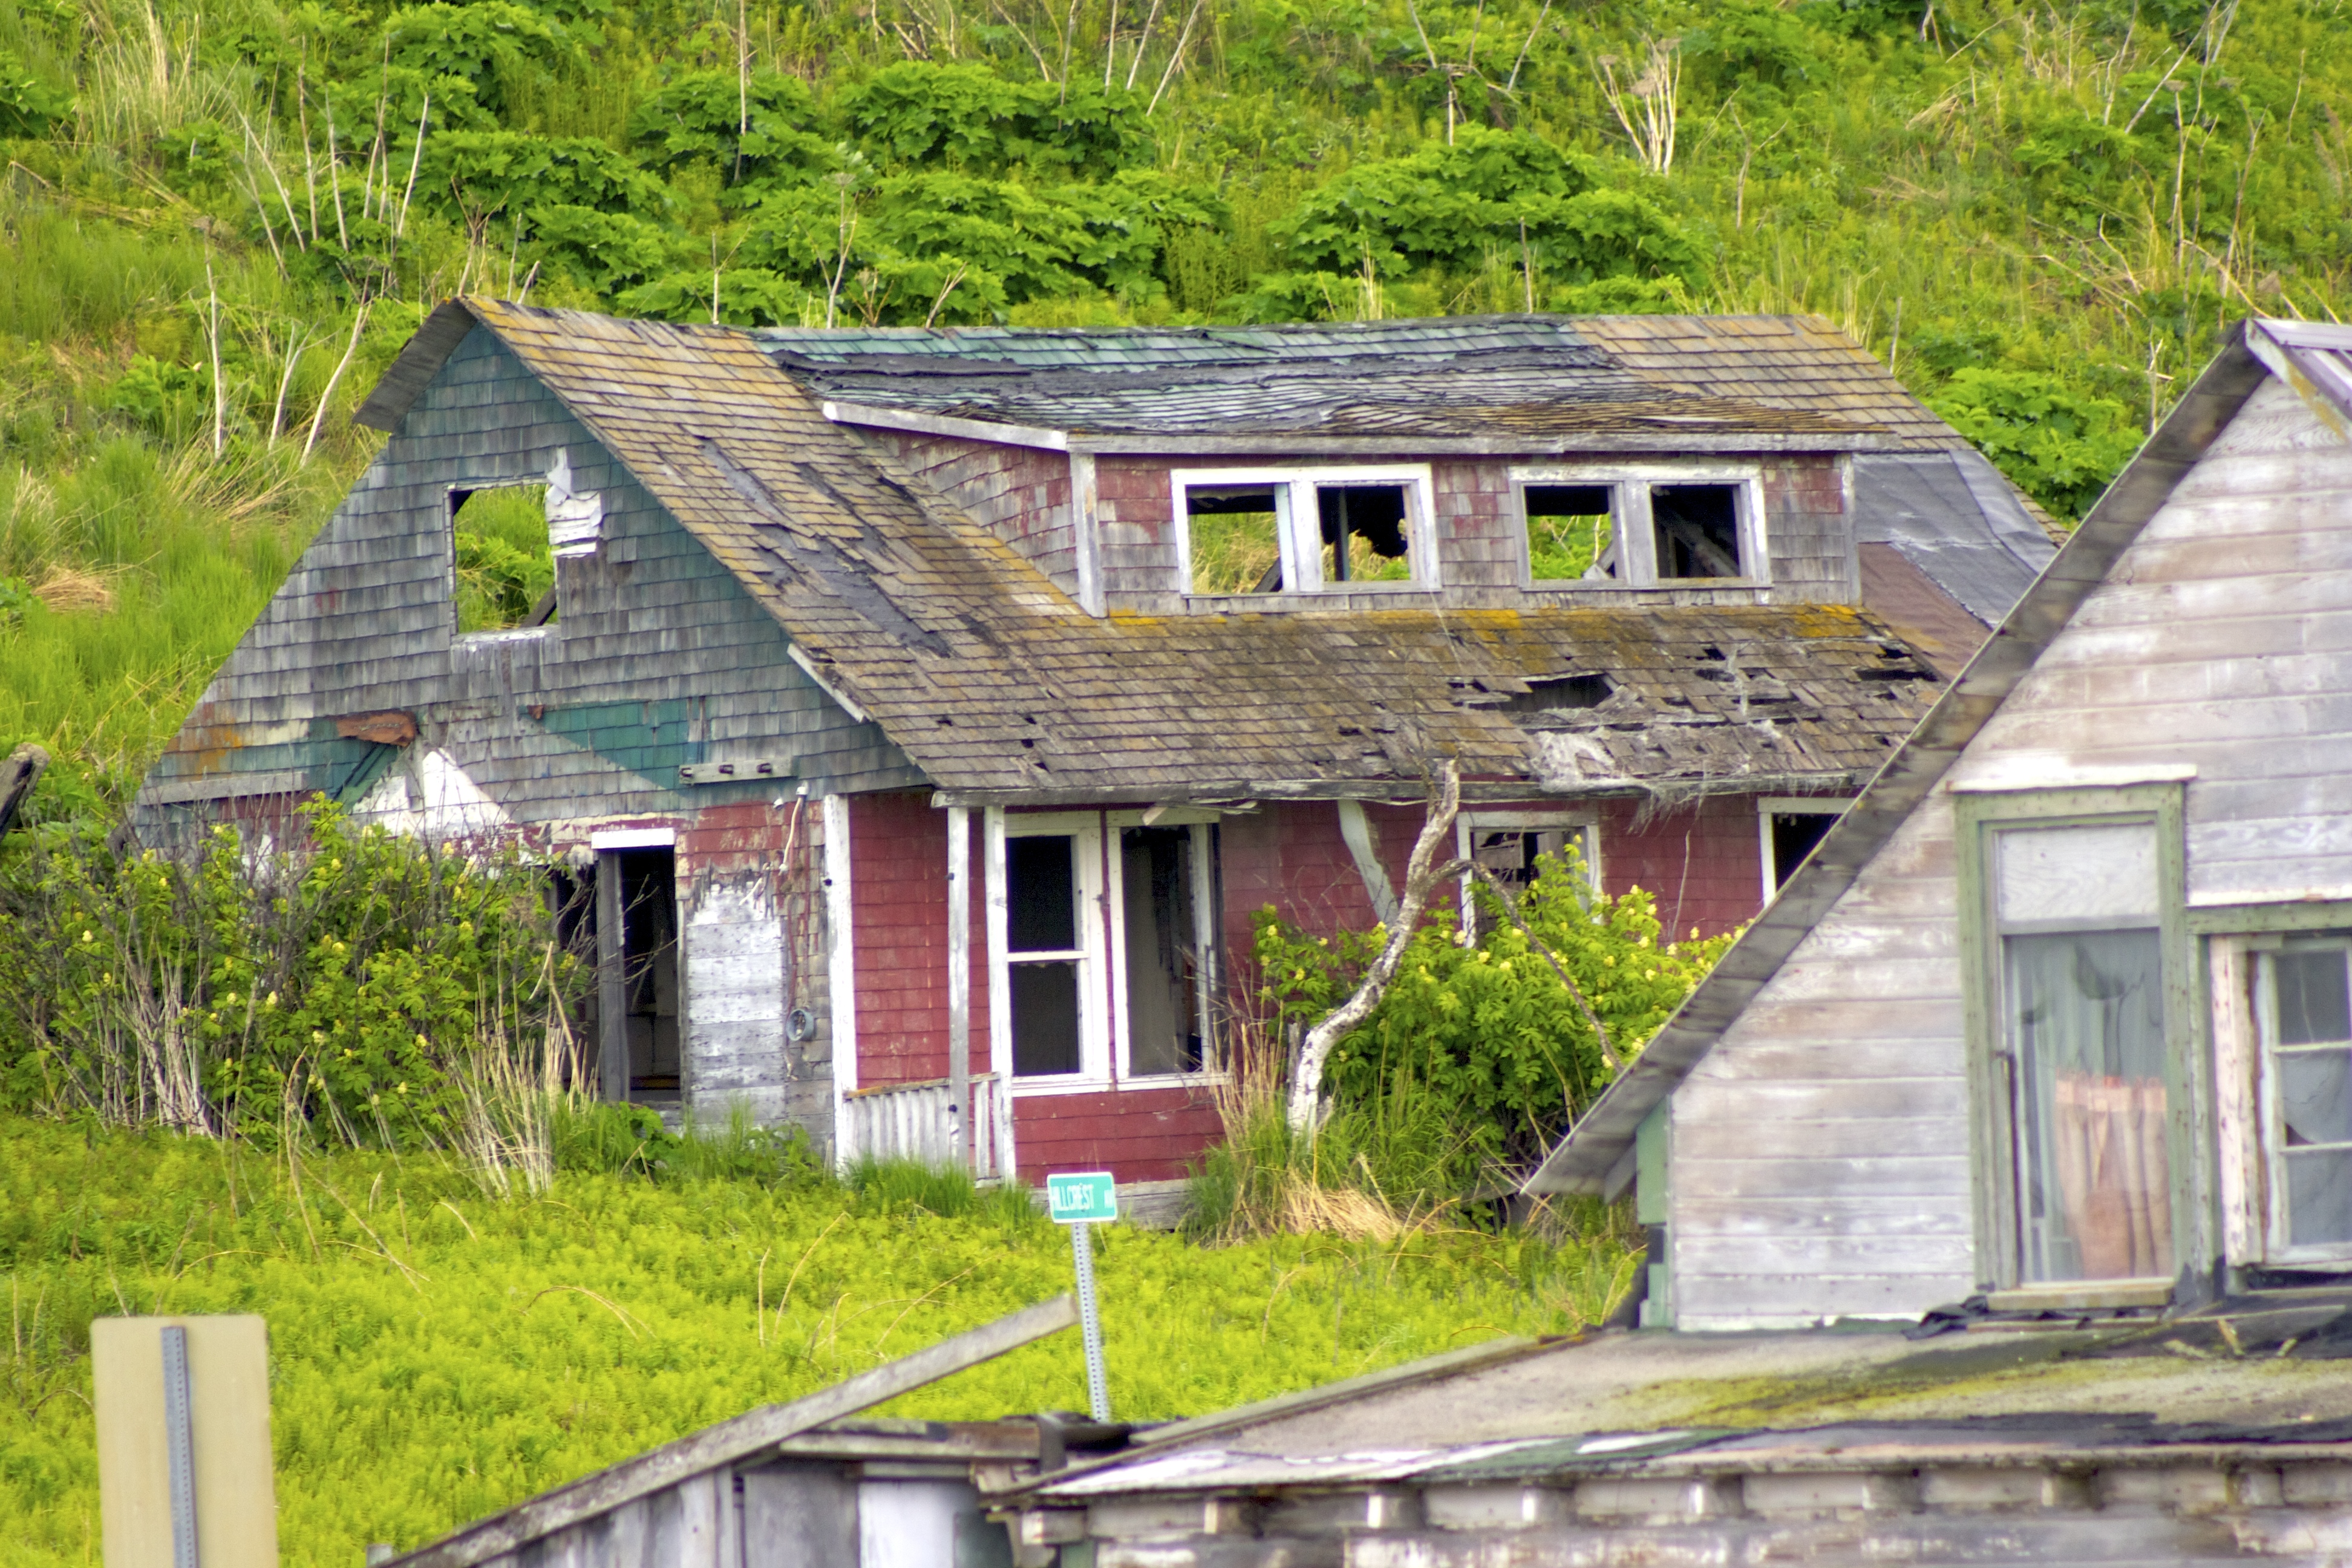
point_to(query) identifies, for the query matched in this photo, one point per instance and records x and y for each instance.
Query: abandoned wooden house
(920, 717)
(2058, 1014)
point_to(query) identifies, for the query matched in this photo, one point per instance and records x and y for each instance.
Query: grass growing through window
(437, 1355)
(1232, 551)
(504, 563)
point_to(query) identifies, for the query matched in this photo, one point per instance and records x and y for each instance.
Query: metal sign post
(1081, 1200)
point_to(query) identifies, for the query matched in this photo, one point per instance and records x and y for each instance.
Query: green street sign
(1082, 1197)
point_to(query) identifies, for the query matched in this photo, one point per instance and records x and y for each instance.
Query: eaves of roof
(1595, 1155)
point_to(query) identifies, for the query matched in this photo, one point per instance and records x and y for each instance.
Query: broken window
(1572, 534)
(1167, 938)
(637, 957)
(1516, 847)
(1696, 529)
(1044, 954)
(505, 563)
(1268, 531)
(1237, 537)
(1600, 529)
(1363, 533)
(1791, 827)
(1108, 956)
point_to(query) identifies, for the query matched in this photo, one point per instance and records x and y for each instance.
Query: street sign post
(1081, 1199)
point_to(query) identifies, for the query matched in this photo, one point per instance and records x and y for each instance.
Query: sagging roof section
(1599, 1142)
(997, 686)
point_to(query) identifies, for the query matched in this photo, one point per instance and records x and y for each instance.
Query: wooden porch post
(960, 986)
(612, 988)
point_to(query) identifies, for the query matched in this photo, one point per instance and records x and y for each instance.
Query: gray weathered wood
(611, 981)
(801, 1515)
(730, 1442)
(19, 774)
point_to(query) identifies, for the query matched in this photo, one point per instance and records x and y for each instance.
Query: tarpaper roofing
(1470, 375)
(995, 683)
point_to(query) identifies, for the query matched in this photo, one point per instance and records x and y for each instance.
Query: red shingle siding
(1138, 1135)
(732, 838)
(898, 850)
(1705, 862)
(1021, 493)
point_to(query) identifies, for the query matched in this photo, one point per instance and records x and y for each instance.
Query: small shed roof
(2317, 361)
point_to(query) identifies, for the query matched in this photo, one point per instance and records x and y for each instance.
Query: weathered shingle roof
(995, 683)
(1452, 377)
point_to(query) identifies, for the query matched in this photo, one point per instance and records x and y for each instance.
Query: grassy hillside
(221, 220)
(437, 1355)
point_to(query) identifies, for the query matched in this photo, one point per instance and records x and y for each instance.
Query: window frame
(456, 495)
(1584, 822)
(2234, 936)
(1628, 485)
(1978, 818)
(1105, 1046)
(1771, 805)
(1295, 514)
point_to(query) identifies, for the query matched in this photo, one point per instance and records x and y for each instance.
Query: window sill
(1227, 603)
(2085, 1295)
(1663, 584)
(1043, 1086)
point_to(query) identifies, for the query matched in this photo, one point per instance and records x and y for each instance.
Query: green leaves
(2059, 446)
(1484, 1038)
(498, 50)
(920, 114)
(28, 106)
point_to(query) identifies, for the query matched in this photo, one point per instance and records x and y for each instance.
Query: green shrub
(1478, 1054)
(2058, 446)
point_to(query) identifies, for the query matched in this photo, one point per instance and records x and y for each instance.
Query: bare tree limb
(1174, 60)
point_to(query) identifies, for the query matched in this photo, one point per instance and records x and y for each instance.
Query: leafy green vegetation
(505, 566)
(1478, 1053)
(438, 1353)
(223, 221)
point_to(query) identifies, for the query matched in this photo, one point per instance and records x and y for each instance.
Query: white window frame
(1629, 509)
(1771, 805)
(1584, 821)
(1204, 934)
(2267, 1158)
(1104, 1047)
(1085, 830)
(1298, 525)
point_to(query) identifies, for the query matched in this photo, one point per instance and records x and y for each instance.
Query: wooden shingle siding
(1824, 1139)
(1021, 493)
(367, 622)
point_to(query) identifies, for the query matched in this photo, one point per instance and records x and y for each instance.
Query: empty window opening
(1572, 534)
(1363, 529)
(1043, 953)
(505, 565)
(644, 951)
(1795, 833)
(1517, 854)
(1697, 530)
(1236, 532)
(1164, 1027)
(1559, 692)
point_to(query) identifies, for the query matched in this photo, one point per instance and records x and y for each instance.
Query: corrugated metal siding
(1820, 1149)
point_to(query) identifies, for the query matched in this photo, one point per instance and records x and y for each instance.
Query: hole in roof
(1564, 691)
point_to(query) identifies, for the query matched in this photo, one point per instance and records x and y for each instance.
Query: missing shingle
(1552, 693)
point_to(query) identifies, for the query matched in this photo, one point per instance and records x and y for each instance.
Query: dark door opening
(1795, 833)
(637, 979)
(1042, 953)
(1164, 1033)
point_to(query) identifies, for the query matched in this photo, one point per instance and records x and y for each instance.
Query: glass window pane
(2102, 872)
(1571, 536)
(1044, 1018)
(2313, 1005)
(1041, 913)
(2315, 1096)
(2319, 1197)
(2085, 1023)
